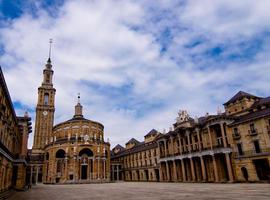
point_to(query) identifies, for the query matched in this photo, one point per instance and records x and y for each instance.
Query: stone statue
(182, 116)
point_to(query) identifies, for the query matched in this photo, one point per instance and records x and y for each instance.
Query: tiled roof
(152, 132)
(118, 146)
(132, 140)
(252, 116)
(238, 96)
(138, 148)
(262, 101)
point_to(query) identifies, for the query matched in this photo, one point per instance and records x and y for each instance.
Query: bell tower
(45, 109)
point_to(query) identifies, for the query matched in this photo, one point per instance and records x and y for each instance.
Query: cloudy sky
(135, 63)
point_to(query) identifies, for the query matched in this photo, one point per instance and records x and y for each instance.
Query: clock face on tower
(45, 113)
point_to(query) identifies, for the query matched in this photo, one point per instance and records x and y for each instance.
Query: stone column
(174, 171)
(203, 168)
(37, 173)
(74, 170)
(210, 137)
(31, 176)
(98, 168)
(165, 147)
(167, 171)
(199, 138)
(117, 172)
(180, 145)
(93, 168)
(160, 173)
(104, 168)
(88, 168)
(223, 135)
(66, 168)
(229, 167)
(192, 169)
(184, 178)
(172, 145)
(189, 145)
(215, 168)
(112, 172)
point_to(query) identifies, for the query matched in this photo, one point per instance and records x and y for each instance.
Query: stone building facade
(73, 151)
(138, 161)
(14, 132)
(232, 146)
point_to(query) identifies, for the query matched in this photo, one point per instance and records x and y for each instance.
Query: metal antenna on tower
(50, 49)
(79, 97)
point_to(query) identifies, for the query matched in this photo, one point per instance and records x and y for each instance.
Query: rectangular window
(235, 130)
(46, 99)
(252, 128)
(257, 146)
(240, 150)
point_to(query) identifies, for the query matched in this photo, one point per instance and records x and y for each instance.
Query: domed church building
(76, 151)
(73, 151)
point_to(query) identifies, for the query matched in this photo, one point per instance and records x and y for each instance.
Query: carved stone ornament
(182, 116)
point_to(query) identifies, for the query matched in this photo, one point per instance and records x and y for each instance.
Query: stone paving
(148, 191)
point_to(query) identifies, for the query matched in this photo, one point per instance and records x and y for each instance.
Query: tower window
(46, 99)
(47, 78)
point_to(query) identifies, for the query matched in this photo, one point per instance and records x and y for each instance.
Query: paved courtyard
(149, 191)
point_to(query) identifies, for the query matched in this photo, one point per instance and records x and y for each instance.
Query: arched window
(86, 152)
(60, 153)
(46, 99)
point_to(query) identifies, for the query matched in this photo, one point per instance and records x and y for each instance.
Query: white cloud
(101, 46)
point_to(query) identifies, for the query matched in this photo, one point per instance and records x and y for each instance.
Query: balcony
(252, 132)
(236, 136)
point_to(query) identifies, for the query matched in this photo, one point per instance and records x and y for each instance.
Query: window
(257, 146)
(235, 131)
(47, 78)
(252, 128)
(46, 99)
(240, 150)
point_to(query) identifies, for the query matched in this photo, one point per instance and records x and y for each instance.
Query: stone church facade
(73, 151)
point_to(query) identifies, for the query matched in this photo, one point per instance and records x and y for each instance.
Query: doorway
(157, 174)
(262, 169)
(84, 172)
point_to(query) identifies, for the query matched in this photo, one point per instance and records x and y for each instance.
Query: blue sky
(134, 63)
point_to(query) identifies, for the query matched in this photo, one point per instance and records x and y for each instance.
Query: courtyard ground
(149, 191)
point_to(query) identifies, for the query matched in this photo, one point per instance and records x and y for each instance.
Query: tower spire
(78, 108)
(50, 50)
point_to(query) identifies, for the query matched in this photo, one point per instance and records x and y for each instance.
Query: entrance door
(146, 175)
(84, 172)
(262, 169)
(157, 174)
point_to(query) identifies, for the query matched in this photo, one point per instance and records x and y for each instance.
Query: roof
(262, 101)
(138, 148)
(132, 140)
(76, 119)
(252, 116)
(118, 146)
(238, 96)
(152, 132)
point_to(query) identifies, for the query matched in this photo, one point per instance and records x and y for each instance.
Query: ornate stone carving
(182, 116)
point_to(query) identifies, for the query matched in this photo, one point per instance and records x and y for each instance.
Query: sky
(135, 63)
